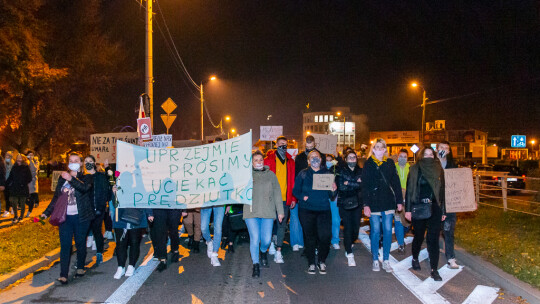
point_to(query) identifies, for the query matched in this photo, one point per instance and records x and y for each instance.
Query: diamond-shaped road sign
(168, 120)
(168, 106)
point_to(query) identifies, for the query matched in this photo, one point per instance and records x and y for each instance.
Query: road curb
(504, 280)
(28, 268)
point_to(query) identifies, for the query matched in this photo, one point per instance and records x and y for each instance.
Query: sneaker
(272, 249)
(296, 248)
(350, 259)
(120, 271)
(80, 273)
(401, 249)
(416, 265)
(386, 266)
(264, 259)
(300, 246)
(375, 266)
(99, 258)
(130, 270)
(278, 257)
(256, 271)
(89, 240)
(162, 266)
(209, 248)
(335, 246)
(27, 214)
(5, 214)
(311, 269)
(214, 260)
(175, 257)
(94, 247)
(436, 276)
(452, 264)
(322, 268)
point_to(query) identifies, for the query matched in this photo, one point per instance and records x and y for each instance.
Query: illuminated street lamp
(338, 114)
(212, 78)
(414, 85)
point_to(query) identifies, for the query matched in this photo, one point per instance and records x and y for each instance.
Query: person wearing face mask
(425, 191)
(402, 168)
(449, 226)
(314, 212)
(350, 201)
(333, 167)
(79, 213)
(8, 165)
(381, 193)
(17, 184)
(33, 199)
(281, 163)
(259, 217)
(100, 195)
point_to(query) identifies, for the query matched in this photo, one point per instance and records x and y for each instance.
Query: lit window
(325, 118)
(331, 117)
(321, 118)
(316, 118)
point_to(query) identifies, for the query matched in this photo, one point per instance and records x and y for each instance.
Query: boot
(175, 257)
(264, 259)
(196, 246)
(256, 271)
(190, 242)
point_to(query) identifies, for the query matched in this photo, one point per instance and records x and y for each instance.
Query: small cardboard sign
(323, 181)
(271, 133)
(459, 190)
(326, 143)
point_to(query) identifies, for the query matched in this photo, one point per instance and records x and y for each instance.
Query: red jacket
(270, 161)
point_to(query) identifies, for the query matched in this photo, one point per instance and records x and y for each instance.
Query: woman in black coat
(17, 184)
(79, 213)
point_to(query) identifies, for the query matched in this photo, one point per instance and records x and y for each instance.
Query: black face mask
(89, 166)
(282, 147)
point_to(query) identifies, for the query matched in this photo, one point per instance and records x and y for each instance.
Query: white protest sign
(293, 153)
(270, 133)
(459, 190)
(207, 175)
(326, 143)
(103, 146)
(323, 181)
(159, 141)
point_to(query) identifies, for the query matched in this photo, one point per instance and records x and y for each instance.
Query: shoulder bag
(130, 215)
(421, 210)
(58, 216)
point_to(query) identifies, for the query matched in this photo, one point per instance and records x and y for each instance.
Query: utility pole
(202, 113)
(344, 123)
(149, 64)
(423, 116)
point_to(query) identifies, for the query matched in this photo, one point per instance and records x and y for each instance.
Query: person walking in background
(282, 165)
(349, 201)
(8, 164)
(192, 224)
(425, 207)
(260, 215)
(402, 167)
(76, 187)
(332, 166)
(447, 162)
(3, 184)
(33, 186)
(17, 185)
(381, 193)
(314, 212)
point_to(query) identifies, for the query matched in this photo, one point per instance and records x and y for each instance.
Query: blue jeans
(260, 232)
(69, 230)
(449, 227)
(375, 228)
(335, 222)
(400, 232)
(219, 213)
(295, 228)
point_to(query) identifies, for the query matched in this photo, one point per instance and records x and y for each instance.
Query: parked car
(514, 181)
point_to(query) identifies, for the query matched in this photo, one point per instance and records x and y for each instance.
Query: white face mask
(258, 166)
(74, 166)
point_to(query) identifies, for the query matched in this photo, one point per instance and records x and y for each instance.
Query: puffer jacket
(83, 185)
(101, 192)
(353, 187)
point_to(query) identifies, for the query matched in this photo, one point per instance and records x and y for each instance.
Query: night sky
(272, 57)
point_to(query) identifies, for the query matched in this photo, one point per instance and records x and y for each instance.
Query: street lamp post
(414, 85)
(202, 108)
(344, 123)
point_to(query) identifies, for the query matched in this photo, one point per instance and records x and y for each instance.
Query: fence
(490, 184)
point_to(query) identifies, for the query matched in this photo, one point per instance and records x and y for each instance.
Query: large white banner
(208, 175)
(103, 146)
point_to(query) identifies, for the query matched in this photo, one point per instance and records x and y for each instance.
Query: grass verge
(509, 240)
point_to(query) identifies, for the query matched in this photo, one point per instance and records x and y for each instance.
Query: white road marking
(431, 286)
(482, 294)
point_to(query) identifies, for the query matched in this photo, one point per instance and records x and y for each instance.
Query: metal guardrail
(502, 178)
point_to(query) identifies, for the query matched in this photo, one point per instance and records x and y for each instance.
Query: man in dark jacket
(301, 160)
(17, 184)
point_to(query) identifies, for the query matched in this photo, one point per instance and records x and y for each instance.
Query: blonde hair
(24, 158)
(378, 141)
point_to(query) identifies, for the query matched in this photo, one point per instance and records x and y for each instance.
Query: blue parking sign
(519, 141)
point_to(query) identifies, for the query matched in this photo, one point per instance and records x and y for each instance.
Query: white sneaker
(452, 264)
(386, 266)
(120, 271)
(272, 249)
(209, 248)
(278, 258)
(89, 240)
(322, 268)
(214, 260)
(350, 260)
(375, 266)
(296, 248)
(335, 246)
(300, 246)
(6, 214)
(130, 270)
(94, 247)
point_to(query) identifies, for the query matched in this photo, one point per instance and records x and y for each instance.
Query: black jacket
(17, 182)
(376, 192)
(101, 192)
(318, 200)
(301, 163)
(353, 187)
(83, 185)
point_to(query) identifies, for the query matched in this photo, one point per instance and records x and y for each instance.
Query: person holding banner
(212, 246)
(166, 222)
(425, 206)
(381, 193)
(449, 226)
(79, 213)
(314, 212)
(282, 165)
(260, 216)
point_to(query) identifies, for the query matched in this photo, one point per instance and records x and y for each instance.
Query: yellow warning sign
(168, 106)
(168, 120)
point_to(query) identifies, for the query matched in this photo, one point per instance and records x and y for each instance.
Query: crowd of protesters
(391, 194)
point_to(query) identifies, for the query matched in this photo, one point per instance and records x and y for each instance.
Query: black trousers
(95, 226)
(351, 226)
(33, 200)
(108, 220)
(433, 226)
(228, 233)
(128, 238)
(166, 223)
(317, 226)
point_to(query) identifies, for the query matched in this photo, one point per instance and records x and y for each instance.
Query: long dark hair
(423, 150)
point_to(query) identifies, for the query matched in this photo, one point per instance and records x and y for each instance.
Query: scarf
(378, 162)
(432, 171)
